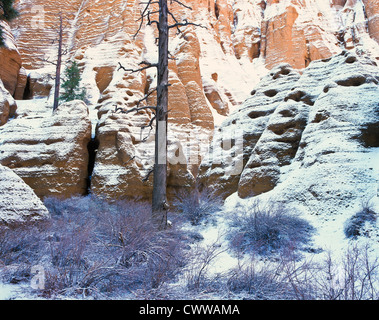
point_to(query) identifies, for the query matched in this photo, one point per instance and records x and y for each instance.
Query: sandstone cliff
(309, 138)
(48, 151)
(7, 104)
(12, 74)
(212, 72)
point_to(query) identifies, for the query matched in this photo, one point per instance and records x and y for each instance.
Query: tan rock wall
(7, 105)
(211, 71)
(372, 11)
(10, 61)
(18, 203)
(49, 152)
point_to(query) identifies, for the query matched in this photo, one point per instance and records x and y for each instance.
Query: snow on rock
(48, 150)
(215, 66)
(18, 202)
(231, 148)
(12, 74)
(7, 105)
(310, 140)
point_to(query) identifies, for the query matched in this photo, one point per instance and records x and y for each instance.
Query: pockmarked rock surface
(213, 69)
(310, 138)
(18, 203)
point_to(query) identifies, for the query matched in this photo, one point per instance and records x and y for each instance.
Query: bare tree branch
(185, 23)
(136, 109)
(143, 15)
(148, 175)
(146, 63)
(181, 3)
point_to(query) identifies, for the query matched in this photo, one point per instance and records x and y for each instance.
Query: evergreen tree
(7, 13)
(71, 84)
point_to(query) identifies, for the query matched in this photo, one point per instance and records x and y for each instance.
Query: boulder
(38, 85)
(7, 105)
(18, 202)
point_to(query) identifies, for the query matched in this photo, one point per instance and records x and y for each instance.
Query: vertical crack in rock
(92, 147)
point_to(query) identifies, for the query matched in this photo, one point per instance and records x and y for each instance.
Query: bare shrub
(283, 278)
(197, 206)
(354, 276)
(20, 248)
(353, 227)
(202, 256)
(260, 280)
(266, 229)
(94, 247)
(17, 244)
(133, 242)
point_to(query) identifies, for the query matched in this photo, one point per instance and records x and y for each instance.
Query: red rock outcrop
(7, 105)
(11, 73)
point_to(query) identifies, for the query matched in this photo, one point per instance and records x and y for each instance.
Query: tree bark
(159, 201)
(59, 64)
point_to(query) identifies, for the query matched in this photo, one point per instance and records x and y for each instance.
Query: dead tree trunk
(159, 197)
(159, 203)
(59, 64)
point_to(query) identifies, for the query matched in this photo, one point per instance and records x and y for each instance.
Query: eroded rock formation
(48, 151)
(212, 72)
(7, 105)
(304, 136)
(12, 74)
(18, 203)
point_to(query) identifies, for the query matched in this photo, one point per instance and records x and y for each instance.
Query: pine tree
(7, 13)
(71, 85)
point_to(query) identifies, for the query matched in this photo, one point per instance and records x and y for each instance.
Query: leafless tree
(61, 29)
(59, 64)
(159, 198)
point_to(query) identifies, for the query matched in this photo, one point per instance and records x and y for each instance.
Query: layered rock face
(12, 74)
(48, 151)
(237, 32)
(212, 72)
(372, 13)
(18, 202)
(298, 32)
(232, 148)
(7, 105)
(308, 137)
